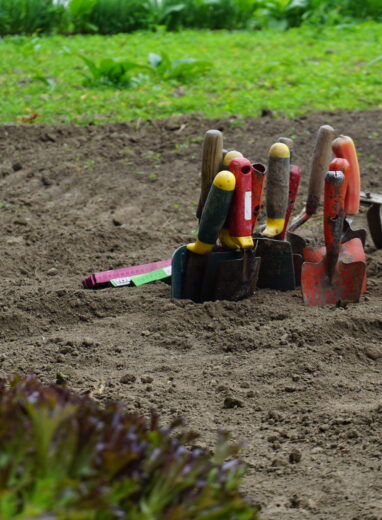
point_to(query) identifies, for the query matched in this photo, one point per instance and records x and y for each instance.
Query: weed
(184, 69)
(89, 164)
(181, 146)
(152, 155)
(112, 73)
(197, 139)
(237, 123)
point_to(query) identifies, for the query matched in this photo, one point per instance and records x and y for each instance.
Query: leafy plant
(160, 11)
(112, 73)
(184, 69)
(30, 16)
(63, 456)
(117, 16)
(79, 12)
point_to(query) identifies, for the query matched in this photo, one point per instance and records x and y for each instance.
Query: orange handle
(334, 214)
(343, 147)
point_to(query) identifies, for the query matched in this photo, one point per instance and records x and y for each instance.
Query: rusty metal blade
(346, 284)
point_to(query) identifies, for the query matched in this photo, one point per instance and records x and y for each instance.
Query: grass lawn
(292, 72)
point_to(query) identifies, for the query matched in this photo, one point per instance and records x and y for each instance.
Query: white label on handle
(248, 205)
(120, 282)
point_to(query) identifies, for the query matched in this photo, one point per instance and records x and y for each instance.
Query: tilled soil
(299, 386)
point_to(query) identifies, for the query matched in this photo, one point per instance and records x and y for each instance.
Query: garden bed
(299, 386)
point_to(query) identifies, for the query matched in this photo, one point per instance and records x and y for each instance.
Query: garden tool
(200, 271)
(294, 183)
(246, 204)
(352, 201)
(335, 273)
(318, 168)
(125, 276)
(337, 164)
(276, 269)
(374, 217)
(212, 158)
(343, 148)
(340, 164)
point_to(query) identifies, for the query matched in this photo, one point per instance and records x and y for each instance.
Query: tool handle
(240, 215)
(289, 143)
(259, 175)
(334, 215)
(342, 165)
(344, 147)
(319, 167)
(294, 183)
(215, 212)
(277, 189)
(212, 156)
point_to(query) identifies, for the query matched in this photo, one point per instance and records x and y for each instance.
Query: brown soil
(299, 386)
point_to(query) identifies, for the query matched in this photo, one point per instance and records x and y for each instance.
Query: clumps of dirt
(298, 386)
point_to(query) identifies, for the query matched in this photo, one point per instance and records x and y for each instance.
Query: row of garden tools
(231, 256)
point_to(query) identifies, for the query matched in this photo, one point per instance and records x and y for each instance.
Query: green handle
(214, 213)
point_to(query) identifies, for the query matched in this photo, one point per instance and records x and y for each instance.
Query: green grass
(293, 73)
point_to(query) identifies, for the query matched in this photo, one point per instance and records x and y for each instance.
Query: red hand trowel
(336, 271)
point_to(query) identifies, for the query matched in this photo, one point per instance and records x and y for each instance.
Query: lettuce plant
(64, 457)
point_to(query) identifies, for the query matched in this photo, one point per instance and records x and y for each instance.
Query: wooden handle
(211, 163)
(319, 167)
(294, 183)
(259, 174)
(290, 144)
(277, 189)
(344, 148)
(334, 215)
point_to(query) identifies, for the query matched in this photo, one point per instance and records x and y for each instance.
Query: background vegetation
(115, 16)
(46, 79)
